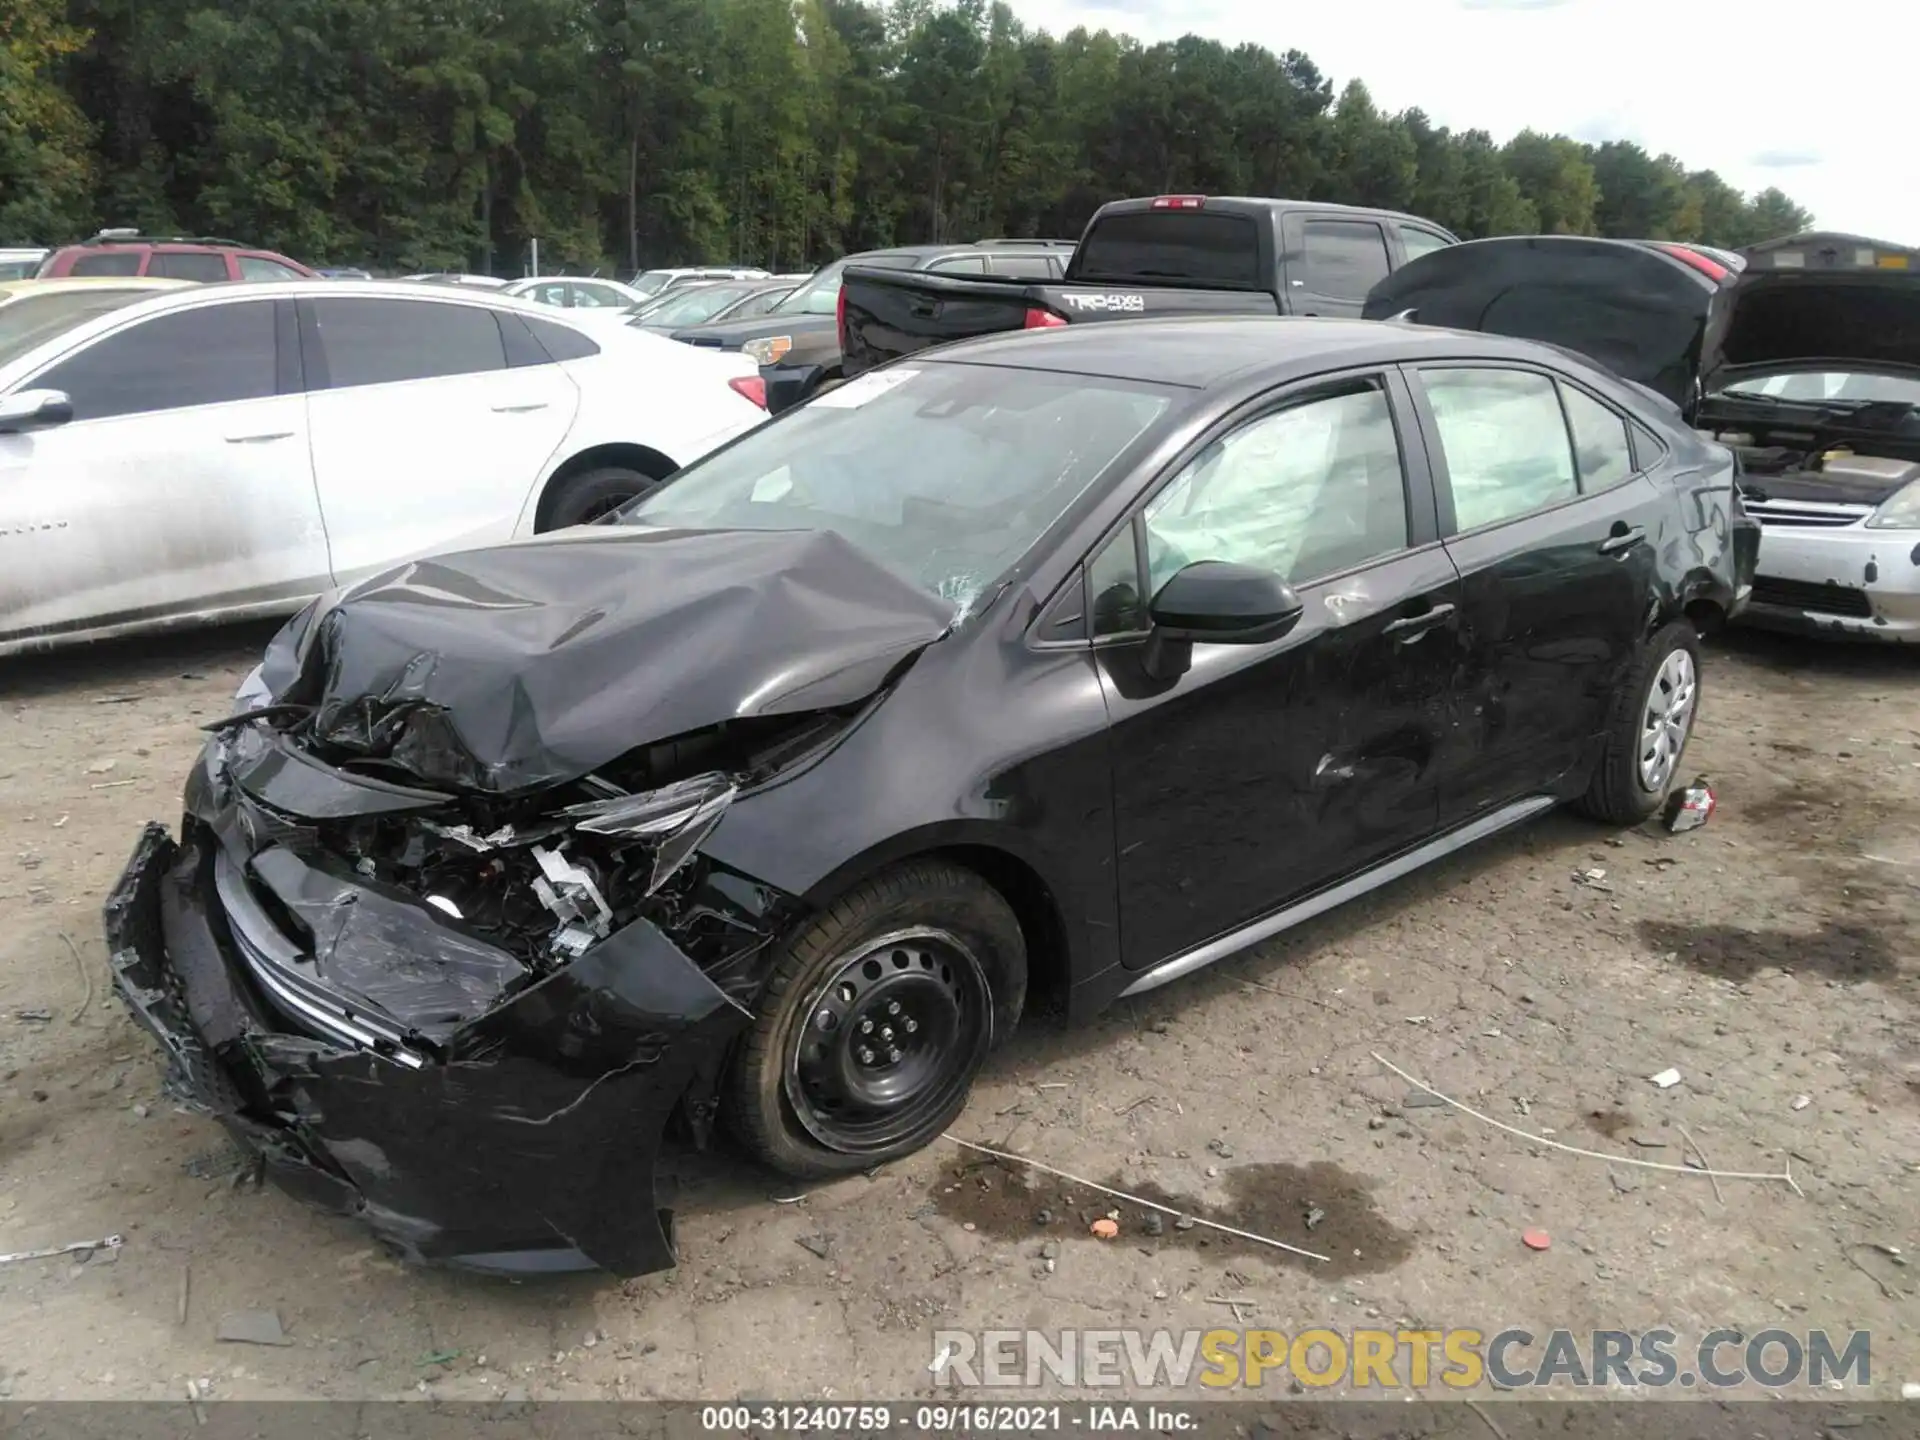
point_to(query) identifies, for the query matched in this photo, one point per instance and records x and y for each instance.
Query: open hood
(1672, 317)
(525, 665)
(1816, 302)
(1636, 309)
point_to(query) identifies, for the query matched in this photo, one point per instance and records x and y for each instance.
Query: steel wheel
(1667, 720)
(890, 1040)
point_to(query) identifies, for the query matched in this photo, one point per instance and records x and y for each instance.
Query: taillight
(1705, 264)
(1038, 319)
(840, 317)
(1180, 202)
(752, 387)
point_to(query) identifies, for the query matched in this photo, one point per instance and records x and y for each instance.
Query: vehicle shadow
(135, 659)
(1780, 651)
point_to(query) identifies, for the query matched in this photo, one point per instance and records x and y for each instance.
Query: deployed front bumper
(525, 1142)
(1848, 582)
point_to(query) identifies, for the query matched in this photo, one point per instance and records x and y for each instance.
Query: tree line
(445, 134)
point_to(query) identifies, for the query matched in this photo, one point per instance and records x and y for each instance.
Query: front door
(181, 485)
(424, 440)
(1266, 771)
(1555, 535)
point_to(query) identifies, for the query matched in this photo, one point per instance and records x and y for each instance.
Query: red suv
(177, 257)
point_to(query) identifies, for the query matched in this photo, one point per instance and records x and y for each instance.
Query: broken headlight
(1901, 511)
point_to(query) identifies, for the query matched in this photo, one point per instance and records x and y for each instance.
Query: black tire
(1620, 792)
(590, 494)
(931, 938)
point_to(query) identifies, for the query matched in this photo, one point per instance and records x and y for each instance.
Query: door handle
(1624, 541)
(1412, 627)
(519, 409)
(260, 438)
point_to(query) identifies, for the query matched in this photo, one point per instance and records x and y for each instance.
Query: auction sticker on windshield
(858, 392)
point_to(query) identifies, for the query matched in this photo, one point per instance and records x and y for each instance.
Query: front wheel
(1648, 727)
(877, 1016)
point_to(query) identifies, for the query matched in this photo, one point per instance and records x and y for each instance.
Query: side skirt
(1384, 873)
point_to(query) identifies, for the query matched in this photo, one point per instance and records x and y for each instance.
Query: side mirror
(1218, 603)
(34, 410)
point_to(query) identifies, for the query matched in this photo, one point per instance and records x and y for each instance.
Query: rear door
(1554, 529)
(1332, 261)
(424, 439)
(1267, 771)
(181, 485)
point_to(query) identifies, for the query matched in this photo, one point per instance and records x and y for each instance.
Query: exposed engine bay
(1860, 456)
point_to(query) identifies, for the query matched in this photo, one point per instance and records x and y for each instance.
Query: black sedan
(1054, 664)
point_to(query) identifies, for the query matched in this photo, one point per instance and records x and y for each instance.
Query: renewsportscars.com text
(1462, 1359)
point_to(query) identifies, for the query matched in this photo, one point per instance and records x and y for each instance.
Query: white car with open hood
(220, 453)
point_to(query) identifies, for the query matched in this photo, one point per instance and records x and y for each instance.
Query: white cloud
(1765, 94)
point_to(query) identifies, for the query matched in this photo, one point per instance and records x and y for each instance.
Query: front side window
(1601, 449)
(28, 320)
(552, 293)
(1505, 443)
(1344, 258)
(377, 342)
(597, 297)
(1417, 242)
(691, 307)
(107, 262)
(210, 355)
(998, 457)
(1305, 492)
(196, 265)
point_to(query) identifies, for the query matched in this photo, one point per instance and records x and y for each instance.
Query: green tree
(46, 163)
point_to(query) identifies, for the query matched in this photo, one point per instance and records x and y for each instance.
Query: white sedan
(577, 293)
(219, 453)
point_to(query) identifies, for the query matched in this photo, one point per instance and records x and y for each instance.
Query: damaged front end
(438, 940)
(468, 1026)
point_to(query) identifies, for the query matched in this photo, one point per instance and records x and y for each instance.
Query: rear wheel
(1648, 729)
(878, 1015)
(583, 498)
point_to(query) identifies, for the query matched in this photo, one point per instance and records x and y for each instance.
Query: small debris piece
(1221, 1148)
(1422, 1100)
(1185, 1222)
(821, 1245)
(1043, 1216)
(440, 1357)
(1314, 1216)
(35, 1016)
(1666, 1079)
(186, 1294)
(1800, 1102)
(79, 1247)
(1692, 807)
(1377, 1122)
(1104, 1229)
(1536, 1240)
(1154, 1224)
(100, 767)
(1621, 1184)
(1910, 1391)
(252, 1327)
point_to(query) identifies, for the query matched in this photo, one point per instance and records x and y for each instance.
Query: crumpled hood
(529, 664)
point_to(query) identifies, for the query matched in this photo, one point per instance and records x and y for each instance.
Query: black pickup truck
(1168, 255)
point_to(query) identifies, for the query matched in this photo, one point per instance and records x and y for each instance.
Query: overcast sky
(1822, 113)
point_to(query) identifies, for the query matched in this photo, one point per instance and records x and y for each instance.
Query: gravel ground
(1768, 957)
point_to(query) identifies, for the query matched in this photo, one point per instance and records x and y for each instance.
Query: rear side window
(561, 342)
(1505, 442)
(107, 262)
(258, 267)
(1193, 245)
(1417, 242)
(378, 342)
(960, 265)
(210, 355)
(1024, 267)
(1600, 445)
(1344, 258)
(188, 265)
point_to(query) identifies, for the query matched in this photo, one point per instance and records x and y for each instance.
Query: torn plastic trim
(678, 817)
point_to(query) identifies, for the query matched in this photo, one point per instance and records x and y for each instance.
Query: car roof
(1199, 353)
(59, 283)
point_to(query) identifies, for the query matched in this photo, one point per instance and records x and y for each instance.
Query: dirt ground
(1768, 957)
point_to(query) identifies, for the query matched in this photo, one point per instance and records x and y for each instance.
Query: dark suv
(176, 257)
